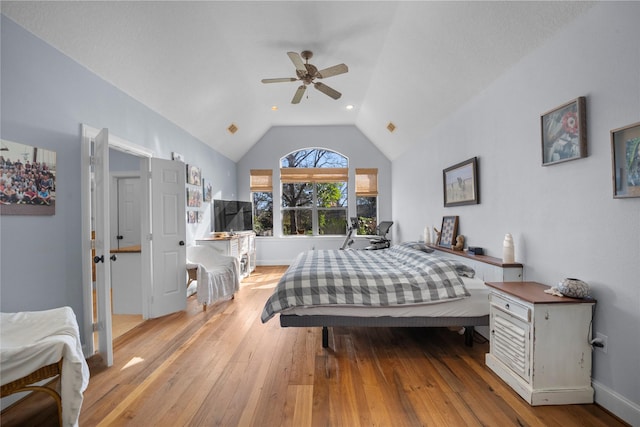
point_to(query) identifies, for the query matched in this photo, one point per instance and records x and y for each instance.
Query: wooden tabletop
(533, 292)
(127, 250)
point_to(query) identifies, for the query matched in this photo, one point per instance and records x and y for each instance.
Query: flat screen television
(232, 215)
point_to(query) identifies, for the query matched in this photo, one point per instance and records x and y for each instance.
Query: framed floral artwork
(564, 132)
(625, 156)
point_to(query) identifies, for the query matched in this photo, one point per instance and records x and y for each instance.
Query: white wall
(563, 217)
(282, 140)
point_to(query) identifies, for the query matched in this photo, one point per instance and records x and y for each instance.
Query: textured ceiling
(199, 64)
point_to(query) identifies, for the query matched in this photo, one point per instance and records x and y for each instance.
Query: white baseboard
(618, 405)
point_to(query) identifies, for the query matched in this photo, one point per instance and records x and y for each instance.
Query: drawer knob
(506, 306)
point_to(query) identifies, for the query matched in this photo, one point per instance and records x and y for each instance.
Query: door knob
(113, 257)
(181, 243)
(98, 259)
(119, 237)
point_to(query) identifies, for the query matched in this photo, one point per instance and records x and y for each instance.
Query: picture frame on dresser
(460, 183)
(625, 161)
(564, 132)
(448, 231)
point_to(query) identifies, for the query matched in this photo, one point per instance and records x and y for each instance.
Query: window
(367, 200)
(261, 182)
(314, 192)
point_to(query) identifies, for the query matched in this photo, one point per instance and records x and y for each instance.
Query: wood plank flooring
(224, 367)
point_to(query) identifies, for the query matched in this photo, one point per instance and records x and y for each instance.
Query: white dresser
(241, 245)
(540, 343)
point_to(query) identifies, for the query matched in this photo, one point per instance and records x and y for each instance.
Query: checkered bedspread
(395, 276)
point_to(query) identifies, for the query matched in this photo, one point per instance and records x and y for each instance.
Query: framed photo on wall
(625, 158)
(460, 183)
(28, 179)
(564, 132)
(448, 231)
(194, 175)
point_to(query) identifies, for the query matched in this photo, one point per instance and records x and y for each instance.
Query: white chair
(218, 276)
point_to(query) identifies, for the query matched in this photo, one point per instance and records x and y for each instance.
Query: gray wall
(563, 217)
(282, 140)
(45, 99)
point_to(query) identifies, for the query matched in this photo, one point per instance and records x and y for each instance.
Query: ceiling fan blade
(327, 90)
(298, 95)
(333, 71)
(297, 62)
(284, 79)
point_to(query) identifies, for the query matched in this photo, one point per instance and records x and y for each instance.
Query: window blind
(261, 180)
(367, 182)
(292, 175)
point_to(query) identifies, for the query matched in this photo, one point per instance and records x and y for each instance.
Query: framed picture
(460, 183)
(448, 232)
(207, 190)
(193, 175)
(564, 132)
(194, 197)
(28, 183)
(625, 158)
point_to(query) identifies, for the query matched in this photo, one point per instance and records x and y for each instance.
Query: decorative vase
(508, 255)
(427, 236)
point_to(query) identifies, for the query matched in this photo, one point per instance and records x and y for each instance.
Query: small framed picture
(564, 132)
(460, 183)
(448, 232)
(625, 159)
(193, 175)
(207, 190)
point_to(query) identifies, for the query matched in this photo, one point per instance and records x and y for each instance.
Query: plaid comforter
(395, 276)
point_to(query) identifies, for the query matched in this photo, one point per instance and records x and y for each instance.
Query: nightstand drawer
(510, 306)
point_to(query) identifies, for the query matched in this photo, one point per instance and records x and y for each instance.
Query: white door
(168, 229)
(128, 232)
(102, 245)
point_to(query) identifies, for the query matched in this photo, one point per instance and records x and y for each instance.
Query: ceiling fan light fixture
(391, 127)
(232, 129)
(308, 73)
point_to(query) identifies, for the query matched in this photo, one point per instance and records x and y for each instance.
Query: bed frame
(325, 321)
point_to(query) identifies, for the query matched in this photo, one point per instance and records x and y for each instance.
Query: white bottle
(508, 255)
(427, 236)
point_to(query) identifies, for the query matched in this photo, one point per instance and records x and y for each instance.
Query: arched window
(314, 192)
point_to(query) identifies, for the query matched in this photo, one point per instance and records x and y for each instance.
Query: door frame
(88, 133)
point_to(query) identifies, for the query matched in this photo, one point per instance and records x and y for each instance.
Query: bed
(407, 285)
(38, 345)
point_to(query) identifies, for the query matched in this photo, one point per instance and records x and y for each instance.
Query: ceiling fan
(307, 73)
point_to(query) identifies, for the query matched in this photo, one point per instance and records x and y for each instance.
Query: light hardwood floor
(224, 367)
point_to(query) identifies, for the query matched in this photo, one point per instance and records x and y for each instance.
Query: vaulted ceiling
(200, 64)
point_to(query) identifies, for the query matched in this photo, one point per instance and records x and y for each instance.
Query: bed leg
(325, 337)
(468, 336)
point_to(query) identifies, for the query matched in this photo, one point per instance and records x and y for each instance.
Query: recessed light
(391, 127)
(274, 108)
(349, 107)
(232, 128)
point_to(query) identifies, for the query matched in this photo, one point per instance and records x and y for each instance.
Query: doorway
(125, 218)
(162, 256)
